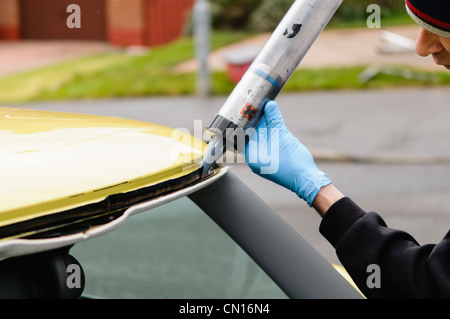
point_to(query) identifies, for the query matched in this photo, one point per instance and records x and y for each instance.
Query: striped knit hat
(433, 15)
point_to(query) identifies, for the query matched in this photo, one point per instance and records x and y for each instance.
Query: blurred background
(121, 47)
(372, 112)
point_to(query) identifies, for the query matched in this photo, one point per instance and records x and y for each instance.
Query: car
(106, 207)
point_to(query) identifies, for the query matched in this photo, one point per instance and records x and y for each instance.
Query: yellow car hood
(53, 162)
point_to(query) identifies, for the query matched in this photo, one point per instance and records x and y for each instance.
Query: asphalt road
(388, 150)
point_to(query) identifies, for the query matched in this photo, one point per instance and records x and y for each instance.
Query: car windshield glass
(172, 251)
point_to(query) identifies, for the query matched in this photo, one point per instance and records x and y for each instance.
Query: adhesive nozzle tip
(212, 154)
(205, 168)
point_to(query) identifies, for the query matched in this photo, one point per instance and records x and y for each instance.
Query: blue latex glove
(275, 154)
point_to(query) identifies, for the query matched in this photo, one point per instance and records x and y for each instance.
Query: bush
(268, 15)
(352, 10)
(232, 14)
(264, 15)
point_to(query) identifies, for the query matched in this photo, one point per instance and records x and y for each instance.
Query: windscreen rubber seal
(82, 218)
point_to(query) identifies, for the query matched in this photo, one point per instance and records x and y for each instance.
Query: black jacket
(406, 269)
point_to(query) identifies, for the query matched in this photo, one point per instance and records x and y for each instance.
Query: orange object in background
(236, 71)
(239, 60)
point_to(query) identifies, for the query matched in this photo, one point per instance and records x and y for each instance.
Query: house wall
(56, 19)
(165, 19)
(9, 20)
(126, 22)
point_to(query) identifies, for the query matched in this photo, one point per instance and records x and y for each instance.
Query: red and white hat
(432, 15)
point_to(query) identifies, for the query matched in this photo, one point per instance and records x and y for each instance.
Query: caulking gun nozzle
(205, 167)
(212, 154)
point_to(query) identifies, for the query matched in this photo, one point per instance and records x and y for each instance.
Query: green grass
(387, 19)
(112, 75)
(27, 85)
(345, 78)
(350, 78)
(150, 74)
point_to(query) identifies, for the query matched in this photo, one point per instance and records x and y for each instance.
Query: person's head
(434, 37)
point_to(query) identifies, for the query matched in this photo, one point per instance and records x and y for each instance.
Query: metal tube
(275, 64)
(267, 75)
(298, 269)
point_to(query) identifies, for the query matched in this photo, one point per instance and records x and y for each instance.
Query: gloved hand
(275, 154)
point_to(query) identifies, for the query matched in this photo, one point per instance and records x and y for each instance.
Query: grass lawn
(150, 74)
(111, 75)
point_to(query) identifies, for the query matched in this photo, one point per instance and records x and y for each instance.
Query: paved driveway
(16, 56)
(335, 48)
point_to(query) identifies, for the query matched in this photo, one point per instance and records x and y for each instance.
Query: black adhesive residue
(295, 30)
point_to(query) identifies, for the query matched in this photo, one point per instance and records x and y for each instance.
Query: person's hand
(275, 154)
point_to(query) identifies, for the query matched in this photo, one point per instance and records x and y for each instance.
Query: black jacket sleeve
(406, 269)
